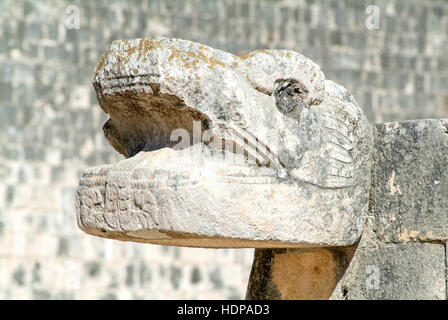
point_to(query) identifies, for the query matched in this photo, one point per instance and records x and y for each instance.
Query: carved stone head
(257, 150)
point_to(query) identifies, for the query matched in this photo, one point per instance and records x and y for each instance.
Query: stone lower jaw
(169, 197)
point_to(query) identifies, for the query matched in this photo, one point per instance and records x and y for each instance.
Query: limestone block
(409, 198)
(258, 150)
(395, 271)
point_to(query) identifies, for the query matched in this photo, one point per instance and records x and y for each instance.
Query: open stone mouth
(147, 120)
(195, 126)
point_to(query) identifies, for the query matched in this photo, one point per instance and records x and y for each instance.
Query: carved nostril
(289, 96)
(285, 101)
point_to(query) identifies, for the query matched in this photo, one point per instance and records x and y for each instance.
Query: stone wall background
(50, 123)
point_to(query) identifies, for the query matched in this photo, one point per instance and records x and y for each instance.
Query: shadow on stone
(297, 274)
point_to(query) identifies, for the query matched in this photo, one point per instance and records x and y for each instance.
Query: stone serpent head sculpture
(257, 150)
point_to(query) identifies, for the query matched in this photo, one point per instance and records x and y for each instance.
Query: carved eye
(290, 95)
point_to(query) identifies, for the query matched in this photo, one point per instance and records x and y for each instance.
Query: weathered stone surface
(410, 187)
(395, 271)
(256, 150)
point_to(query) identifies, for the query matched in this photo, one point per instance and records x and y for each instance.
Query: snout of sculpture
(225, 151)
